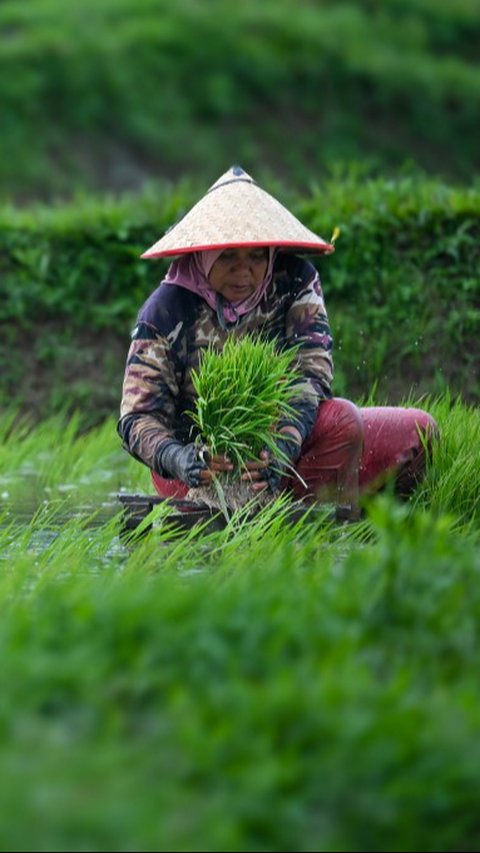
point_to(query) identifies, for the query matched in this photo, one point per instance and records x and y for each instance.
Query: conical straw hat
(237, 212)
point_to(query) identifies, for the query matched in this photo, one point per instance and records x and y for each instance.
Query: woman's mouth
(239, 288)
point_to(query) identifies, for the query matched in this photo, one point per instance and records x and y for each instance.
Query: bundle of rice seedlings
(242, 394)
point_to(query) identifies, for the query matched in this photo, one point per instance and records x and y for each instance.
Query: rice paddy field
(269, 686)
(274, 685)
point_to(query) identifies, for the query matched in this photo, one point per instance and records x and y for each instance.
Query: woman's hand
(274, 469)
(255, 470)
(221, 464)
(189, 463)
(216, 465)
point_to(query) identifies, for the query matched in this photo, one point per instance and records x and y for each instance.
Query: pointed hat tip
(234, 173)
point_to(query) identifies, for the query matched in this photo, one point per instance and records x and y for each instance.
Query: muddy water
(25, 498)
(21, 499)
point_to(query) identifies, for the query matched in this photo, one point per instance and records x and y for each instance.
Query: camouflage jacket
(175, 325)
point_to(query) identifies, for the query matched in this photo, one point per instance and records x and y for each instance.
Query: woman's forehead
(242, 251)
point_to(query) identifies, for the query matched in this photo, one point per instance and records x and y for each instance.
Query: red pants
(352, 451)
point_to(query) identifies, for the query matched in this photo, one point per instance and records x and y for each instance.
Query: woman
(237, 273)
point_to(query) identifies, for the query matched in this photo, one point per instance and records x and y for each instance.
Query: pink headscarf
(192, 270)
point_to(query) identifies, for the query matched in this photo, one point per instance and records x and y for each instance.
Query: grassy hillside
(401, 288)
(111, 93)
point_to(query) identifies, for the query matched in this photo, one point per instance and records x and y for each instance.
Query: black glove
(180, 461)
(279, 468)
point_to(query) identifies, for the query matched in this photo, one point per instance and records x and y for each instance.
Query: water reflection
(23, 508)
(34, 514)
(24, 493)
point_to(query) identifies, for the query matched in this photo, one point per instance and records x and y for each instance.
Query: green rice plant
(247, 682)
(452, 484)
(245, 667)
(243, 392)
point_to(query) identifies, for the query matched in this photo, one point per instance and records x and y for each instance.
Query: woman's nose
(241, 263)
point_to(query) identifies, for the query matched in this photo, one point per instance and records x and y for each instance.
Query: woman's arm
(307, 328)
(150, 388)
(147, 413)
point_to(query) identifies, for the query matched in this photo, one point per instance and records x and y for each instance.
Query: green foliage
(118, 92)
(242, 393)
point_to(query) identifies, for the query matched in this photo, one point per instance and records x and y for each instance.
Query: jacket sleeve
(149, 392)
(308, 329)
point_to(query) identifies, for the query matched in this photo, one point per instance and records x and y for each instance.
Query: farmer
(237, 270)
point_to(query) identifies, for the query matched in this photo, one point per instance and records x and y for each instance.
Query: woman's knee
(344, 418)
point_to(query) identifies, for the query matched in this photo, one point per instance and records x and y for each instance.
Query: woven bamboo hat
(236, 212)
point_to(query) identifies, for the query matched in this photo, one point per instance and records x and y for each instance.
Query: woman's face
(237, 273)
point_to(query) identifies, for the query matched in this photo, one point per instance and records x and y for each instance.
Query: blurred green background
(116, 116)
(106, 94)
